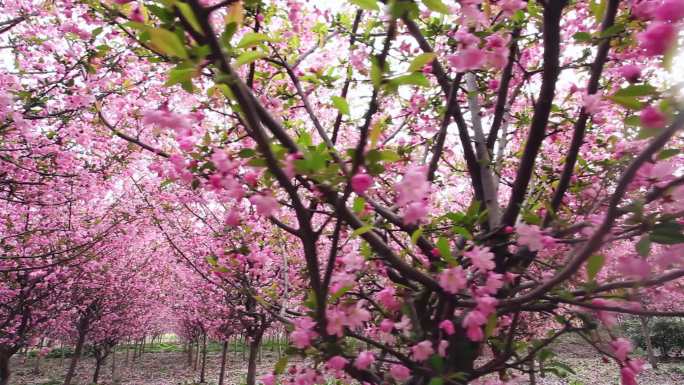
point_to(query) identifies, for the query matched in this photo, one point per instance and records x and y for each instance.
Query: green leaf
(598, 9)
(249, 57)
(389, 156)
(582, 36)
(252, 38)
(437, 6)
(436, 362)
(594, 265)
(636, 90)
(643, 247)
(338, 294)
(668, 153)
(359, 204)
(281, 365)
(362, 230)
(341, 104)
(627, 101)
(416, 234)
(667, 233)
(443, 247)
(416, 79)
(491, 325)
(180, 75)
(375, 73)
(368, 5)
(436, 381)
(189, 15)
(613, 30)
(633, 121)
(246, 153)
(167, 42)
(420, 61)
(545, 354)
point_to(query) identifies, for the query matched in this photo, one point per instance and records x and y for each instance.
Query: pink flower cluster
(412, 194)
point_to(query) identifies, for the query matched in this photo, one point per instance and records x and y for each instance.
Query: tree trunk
(5, 356)
(113, 364)
(222, 372)
(77, 354)
(533, 378)
(36, 363)
(204, 358)
(195, 359)
(646, 333)
(254, 344)
(189, 354)
(96, 374)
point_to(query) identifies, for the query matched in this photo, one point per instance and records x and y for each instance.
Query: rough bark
(5, 355)
(204, 358)
(254, 344)
(222, 372)
(77, 355)
(646, 333)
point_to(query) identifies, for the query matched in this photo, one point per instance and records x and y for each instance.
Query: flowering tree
(450, 179)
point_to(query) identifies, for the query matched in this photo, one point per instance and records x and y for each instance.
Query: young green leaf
(368, 5)
(594, 265)
(341, 104)
(420, 61)
(167, 42)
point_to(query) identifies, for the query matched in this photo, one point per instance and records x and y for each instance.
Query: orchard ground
(166, 364)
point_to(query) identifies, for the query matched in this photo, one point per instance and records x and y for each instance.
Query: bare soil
(170, 368)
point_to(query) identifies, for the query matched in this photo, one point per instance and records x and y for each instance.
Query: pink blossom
(387, 298)
(471, 58)
(493, 283)
(414, 187)
(364, 360)
(634, 267)
(673, 255)
(266, 205)
(337, 363)
(486, 304)
(651, 117)
(658, 38)
(447, 326)
(357, 315)
(629, 372)
(336, 320)
(592, 103)
(303, 334)
(630, 72)
(387, 325)
(530, 236)
(269, 379)
(608, 318)
(621, 347)
(361, 182)
(137, 15)
(670, 10)
(481, 258)
(167, 119)
(422, 350)
(399, 372)
(509, 7)
(453, 280)
(232, 218)
(415, 212)
(473, 322)
(442, 348)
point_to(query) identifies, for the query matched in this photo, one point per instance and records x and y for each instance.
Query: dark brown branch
(581, 123)
(552, 16)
